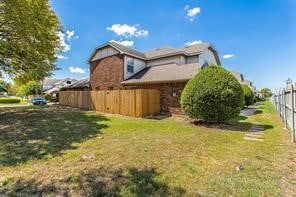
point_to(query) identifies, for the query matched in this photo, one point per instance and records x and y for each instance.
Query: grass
(55, 150)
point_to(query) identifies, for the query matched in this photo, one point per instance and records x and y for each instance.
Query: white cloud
(61, 57)
(66, 38)
(127, 43)
(76, 70)
(65, 46)
(227, 56)
(191, 13)
(127, 30)
(193, 42)
(71, 35)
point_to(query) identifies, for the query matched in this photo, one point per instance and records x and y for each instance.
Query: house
(53, 86)
(238, 76)
(242, 80)
(114, 66)
(81, 85)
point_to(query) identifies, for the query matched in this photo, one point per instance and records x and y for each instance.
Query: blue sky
(257, 37)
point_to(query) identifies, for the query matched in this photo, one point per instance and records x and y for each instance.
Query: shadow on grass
(236, 124)
(130, 182)
(258, 111)
(35, 132)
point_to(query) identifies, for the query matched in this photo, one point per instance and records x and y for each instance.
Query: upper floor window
(130, 65)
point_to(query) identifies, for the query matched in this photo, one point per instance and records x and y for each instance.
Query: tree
(30, 88)
(265, 93)
(249, 95)
(4, 86)
(28, 38)
(213, 94)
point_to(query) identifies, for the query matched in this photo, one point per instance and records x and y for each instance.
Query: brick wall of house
(107, 73)
(170, 94)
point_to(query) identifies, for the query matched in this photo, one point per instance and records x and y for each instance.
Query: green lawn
(55, 150)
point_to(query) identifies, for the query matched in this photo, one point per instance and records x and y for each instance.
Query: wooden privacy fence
(285, 103)
(137, 103)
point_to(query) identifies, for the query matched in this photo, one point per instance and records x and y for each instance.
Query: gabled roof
(122, 49)
(164, 73)
(83, 83)
(238, 75)
(166, 51)
(50, 83)
(158, 53)
(128, 50)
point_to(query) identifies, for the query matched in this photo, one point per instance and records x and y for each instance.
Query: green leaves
(249, 95)
(28, 38)
(265, 93)
(30, 88)
(213, 95)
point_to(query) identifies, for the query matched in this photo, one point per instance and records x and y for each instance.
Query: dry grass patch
(62, 151)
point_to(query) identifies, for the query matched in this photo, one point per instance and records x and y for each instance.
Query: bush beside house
(249, 95)
(213, 95)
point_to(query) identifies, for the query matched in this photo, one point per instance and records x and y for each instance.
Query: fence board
(137, 103)
(285, 103)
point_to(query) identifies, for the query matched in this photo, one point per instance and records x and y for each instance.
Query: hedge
(249, 95)
(213, 95)
(10, 100)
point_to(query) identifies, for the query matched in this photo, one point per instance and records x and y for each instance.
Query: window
(130, 65)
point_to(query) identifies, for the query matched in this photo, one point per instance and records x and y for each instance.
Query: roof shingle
(164, 73)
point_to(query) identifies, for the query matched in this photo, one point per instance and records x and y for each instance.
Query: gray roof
(238, 76)
(157, 53)
(164, 73)
(83, 83)
(127, 50)
(188, 50)
(51, 83)
(250, 83)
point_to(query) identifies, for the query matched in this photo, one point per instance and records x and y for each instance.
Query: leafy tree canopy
(4, 85)
(30, 88)
(265, 93)
(28, 39)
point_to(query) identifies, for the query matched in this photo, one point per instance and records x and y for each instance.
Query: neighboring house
(53, 86)
(250, 84)
(81, 85)
(113, 67)
(240, 78)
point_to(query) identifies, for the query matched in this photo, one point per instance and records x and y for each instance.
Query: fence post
(293, 114)
(285, 108)
(280, 103)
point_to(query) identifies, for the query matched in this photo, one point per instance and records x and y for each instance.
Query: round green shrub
(47, 97)
(9, 100)
(213, 95)
(249, 95)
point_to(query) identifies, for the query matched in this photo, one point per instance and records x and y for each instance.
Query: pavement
(256, 132)
(250, 110)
